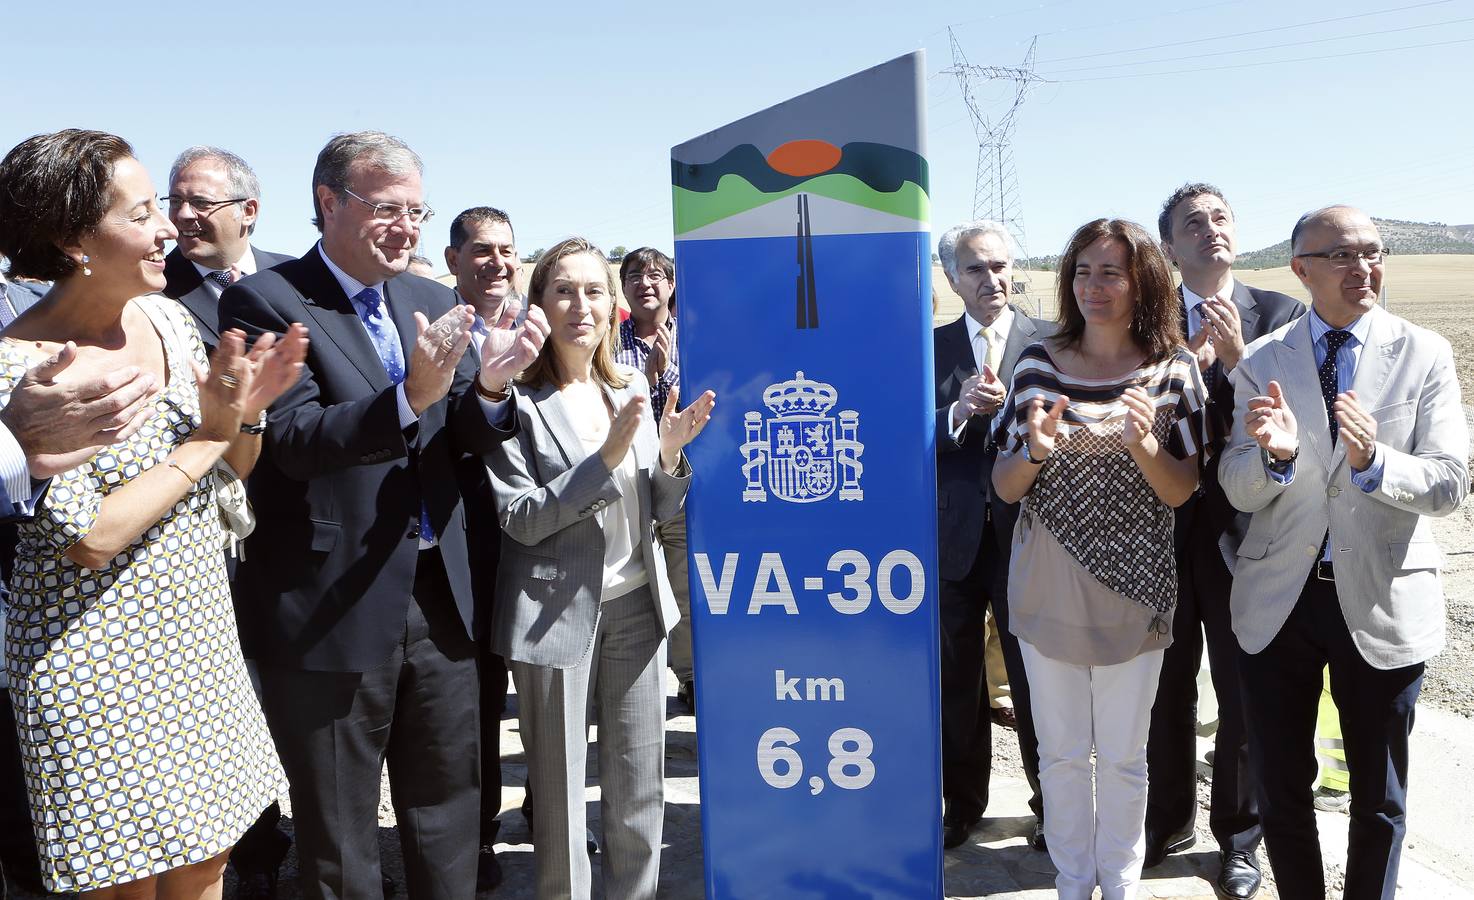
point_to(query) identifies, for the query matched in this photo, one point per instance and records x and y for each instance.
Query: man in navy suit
(215, 201)
(974, 358)
(1222, 315)
(355, 595)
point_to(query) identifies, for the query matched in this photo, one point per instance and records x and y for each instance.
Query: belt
(1324, 571)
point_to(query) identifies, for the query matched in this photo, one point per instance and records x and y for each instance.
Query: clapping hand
(507, 351)
(437, 349)
(1357, 428)
(622, 431)
(677, 429)
(1044, 427)
(224, 387)
(1221, 321)
(981, 394)
(1203, 349)
(1141, 415)
(1271, 424)
(659, 358)
(275, 365)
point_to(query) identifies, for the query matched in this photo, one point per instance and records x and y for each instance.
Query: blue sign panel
(803, 263)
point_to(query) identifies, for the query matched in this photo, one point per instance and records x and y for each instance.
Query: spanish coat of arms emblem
(808, 453)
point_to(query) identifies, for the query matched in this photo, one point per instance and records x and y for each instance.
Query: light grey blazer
(551, 499)
(1385, 559)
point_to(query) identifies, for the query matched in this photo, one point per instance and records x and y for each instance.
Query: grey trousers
(619, 685)
(672, 536)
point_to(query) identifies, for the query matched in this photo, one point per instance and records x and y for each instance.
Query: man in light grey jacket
(1348, 435)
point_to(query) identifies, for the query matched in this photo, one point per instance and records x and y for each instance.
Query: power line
(1272, 62)
(1344, 37)
(1224, 37)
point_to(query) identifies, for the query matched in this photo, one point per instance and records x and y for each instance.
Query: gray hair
(380, 151)
(238, 174)
(947, 246)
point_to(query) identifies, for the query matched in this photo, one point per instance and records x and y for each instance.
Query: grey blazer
(1386, 562)
(551, 497)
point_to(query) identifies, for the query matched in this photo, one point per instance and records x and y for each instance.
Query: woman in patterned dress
(145, 752)
(1099, 435)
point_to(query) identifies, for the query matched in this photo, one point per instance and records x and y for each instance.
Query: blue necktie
(385, 337)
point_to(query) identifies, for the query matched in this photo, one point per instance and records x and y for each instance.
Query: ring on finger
(230, 381)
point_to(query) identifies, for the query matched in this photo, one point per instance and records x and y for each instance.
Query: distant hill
(1401, 238)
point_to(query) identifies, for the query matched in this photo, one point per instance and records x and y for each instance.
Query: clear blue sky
(564, 113)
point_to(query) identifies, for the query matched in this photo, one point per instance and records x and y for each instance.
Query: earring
(85, 260)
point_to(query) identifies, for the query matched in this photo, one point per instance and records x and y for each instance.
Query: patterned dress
(143, 744)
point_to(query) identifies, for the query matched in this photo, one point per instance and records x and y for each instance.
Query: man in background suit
(482, 255)
(1221, 314)
(44, 426)
(214, 200)
(355, 595)
(1348, 435)
(974, 358)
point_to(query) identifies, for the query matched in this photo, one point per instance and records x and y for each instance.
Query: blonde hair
(544, 369)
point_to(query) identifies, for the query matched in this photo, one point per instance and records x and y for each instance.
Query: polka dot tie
(221, 278)
(1328, 376)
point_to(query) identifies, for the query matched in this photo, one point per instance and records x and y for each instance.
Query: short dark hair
(1156, 321)
(54, 189)
(383, 152)
(642, 259)
(1181, 195)
(477, 215)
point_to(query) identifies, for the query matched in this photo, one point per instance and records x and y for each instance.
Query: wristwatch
(1279, 465)
(258, 428)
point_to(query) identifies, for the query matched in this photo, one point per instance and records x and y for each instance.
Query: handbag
(236, 515)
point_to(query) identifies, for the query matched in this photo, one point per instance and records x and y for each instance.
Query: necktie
(1329, 375)
(7, 312)
(221, 278)
(985, 357)
(371, 310)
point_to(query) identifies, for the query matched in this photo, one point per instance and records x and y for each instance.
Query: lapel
(335, 318)
(1248, 311)
(206, 311)
(1300, 382)
(547, 402)
(957, 350)
(1022, 334)
(1375, 363)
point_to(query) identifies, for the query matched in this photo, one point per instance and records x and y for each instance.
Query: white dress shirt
(246, 265)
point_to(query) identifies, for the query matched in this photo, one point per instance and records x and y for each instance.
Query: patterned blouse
(1090, 494)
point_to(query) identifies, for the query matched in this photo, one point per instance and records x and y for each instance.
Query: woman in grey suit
(584, 603)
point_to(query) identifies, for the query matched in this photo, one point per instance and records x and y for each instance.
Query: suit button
(1311, 549)
(1333, 491)
(414, 533)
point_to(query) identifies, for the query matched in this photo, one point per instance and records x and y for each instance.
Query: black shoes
(1158, 850)
(527, 813)
(956, 830)
(1036, 840)
(1239, 879)
(686, 695)
(488, 870)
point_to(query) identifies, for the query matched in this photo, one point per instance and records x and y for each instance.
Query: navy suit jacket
(330, 567)
(183, 282)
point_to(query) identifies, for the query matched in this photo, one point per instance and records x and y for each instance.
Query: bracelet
(1029, 455)
(494, 396)
(1280, 465)
(258, 427)
(180, 469)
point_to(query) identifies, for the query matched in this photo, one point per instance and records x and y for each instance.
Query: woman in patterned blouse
(146, 754)
(1100, 436)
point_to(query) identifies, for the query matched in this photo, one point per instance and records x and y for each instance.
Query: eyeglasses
(390, 212)
(655, 277)
(1346, 257)
(198, 204)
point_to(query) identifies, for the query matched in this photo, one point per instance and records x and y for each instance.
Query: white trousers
(1096, 836)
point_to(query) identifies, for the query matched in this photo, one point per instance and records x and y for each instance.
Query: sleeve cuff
(498, 412)
(14, 472)
(1371, 478)
(407, 415)
(958, 430)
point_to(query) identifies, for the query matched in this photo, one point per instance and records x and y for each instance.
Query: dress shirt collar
(246, 265)
(998, 330)
(351, 286)
(1359, 330)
